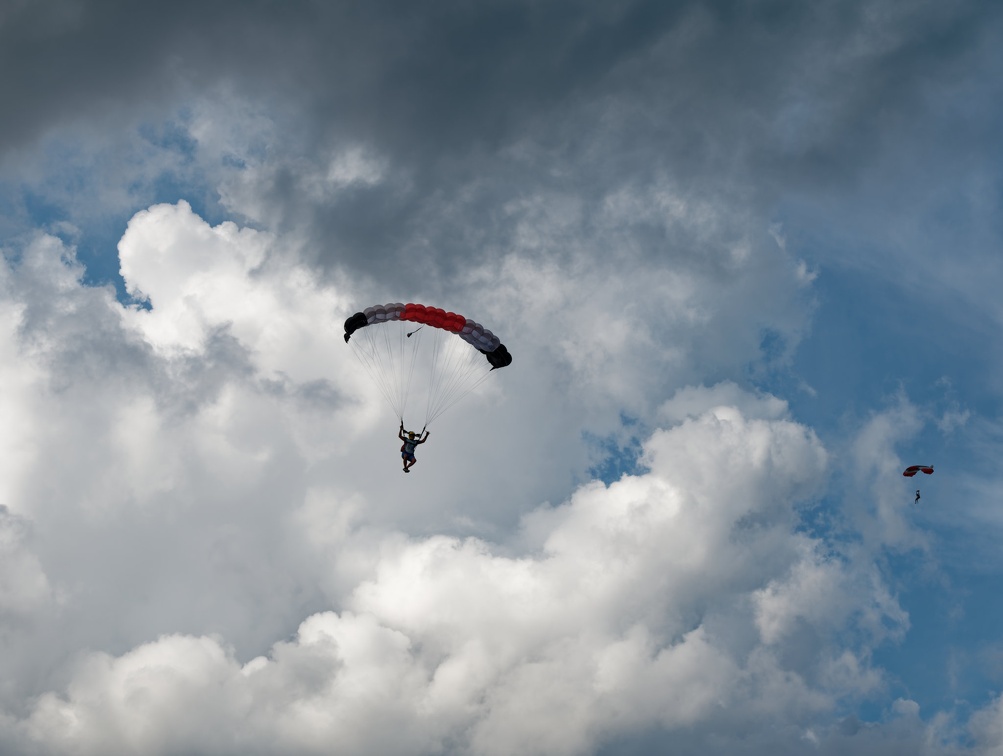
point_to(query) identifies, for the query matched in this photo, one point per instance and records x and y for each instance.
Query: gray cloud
(737, 102)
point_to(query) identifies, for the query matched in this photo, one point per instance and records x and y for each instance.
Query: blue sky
(746, 257)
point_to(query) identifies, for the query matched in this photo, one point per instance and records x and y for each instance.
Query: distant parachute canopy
(391, 355)
(913, 469)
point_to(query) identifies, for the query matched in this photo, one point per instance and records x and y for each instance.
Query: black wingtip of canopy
(499, 357)
(354, 323)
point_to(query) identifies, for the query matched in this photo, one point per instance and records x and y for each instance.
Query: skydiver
(407, 449)
(917, 496)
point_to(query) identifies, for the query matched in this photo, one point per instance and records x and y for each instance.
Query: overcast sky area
(746, 257)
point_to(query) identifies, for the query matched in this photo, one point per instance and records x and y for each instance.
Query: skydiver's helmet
(410, 434)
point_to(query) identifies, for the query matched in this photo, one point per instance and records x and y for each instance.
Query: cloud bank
(262, 603)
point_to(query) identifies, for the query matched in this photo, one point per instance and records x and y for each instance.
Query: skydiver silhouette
(917, 496)
(407, 449)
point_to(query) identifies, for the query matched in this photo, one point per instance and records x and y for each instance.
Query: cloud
(223, 489)
(341, 122)
(656, 602)
(691, 401)
(987, 728)
(24, 586)
(198, 280)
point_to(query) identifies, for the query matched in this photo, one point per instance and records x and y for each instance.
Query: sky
(745, 255)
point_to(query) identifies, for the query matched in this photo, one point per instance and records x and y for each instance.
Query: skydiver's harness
(410, 444)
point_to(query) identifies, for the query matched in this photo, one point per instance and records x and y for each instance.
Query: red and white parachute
(395, 354)
(913, 469)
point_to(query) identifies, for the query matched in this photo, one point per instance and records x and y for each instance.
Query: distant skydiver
(407, 449)
(917, 496)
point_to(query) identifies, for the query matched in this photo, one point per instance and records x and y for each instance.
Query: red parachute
(913, 469)
(451, 354)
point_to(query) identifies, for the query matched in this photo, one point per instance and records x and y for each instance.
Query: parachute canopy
(393, 353)
(913, 469)
(473, 333)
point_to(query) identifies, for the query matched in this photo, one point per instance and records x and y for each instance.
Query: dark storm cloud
(445, 72)
(472, 104)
